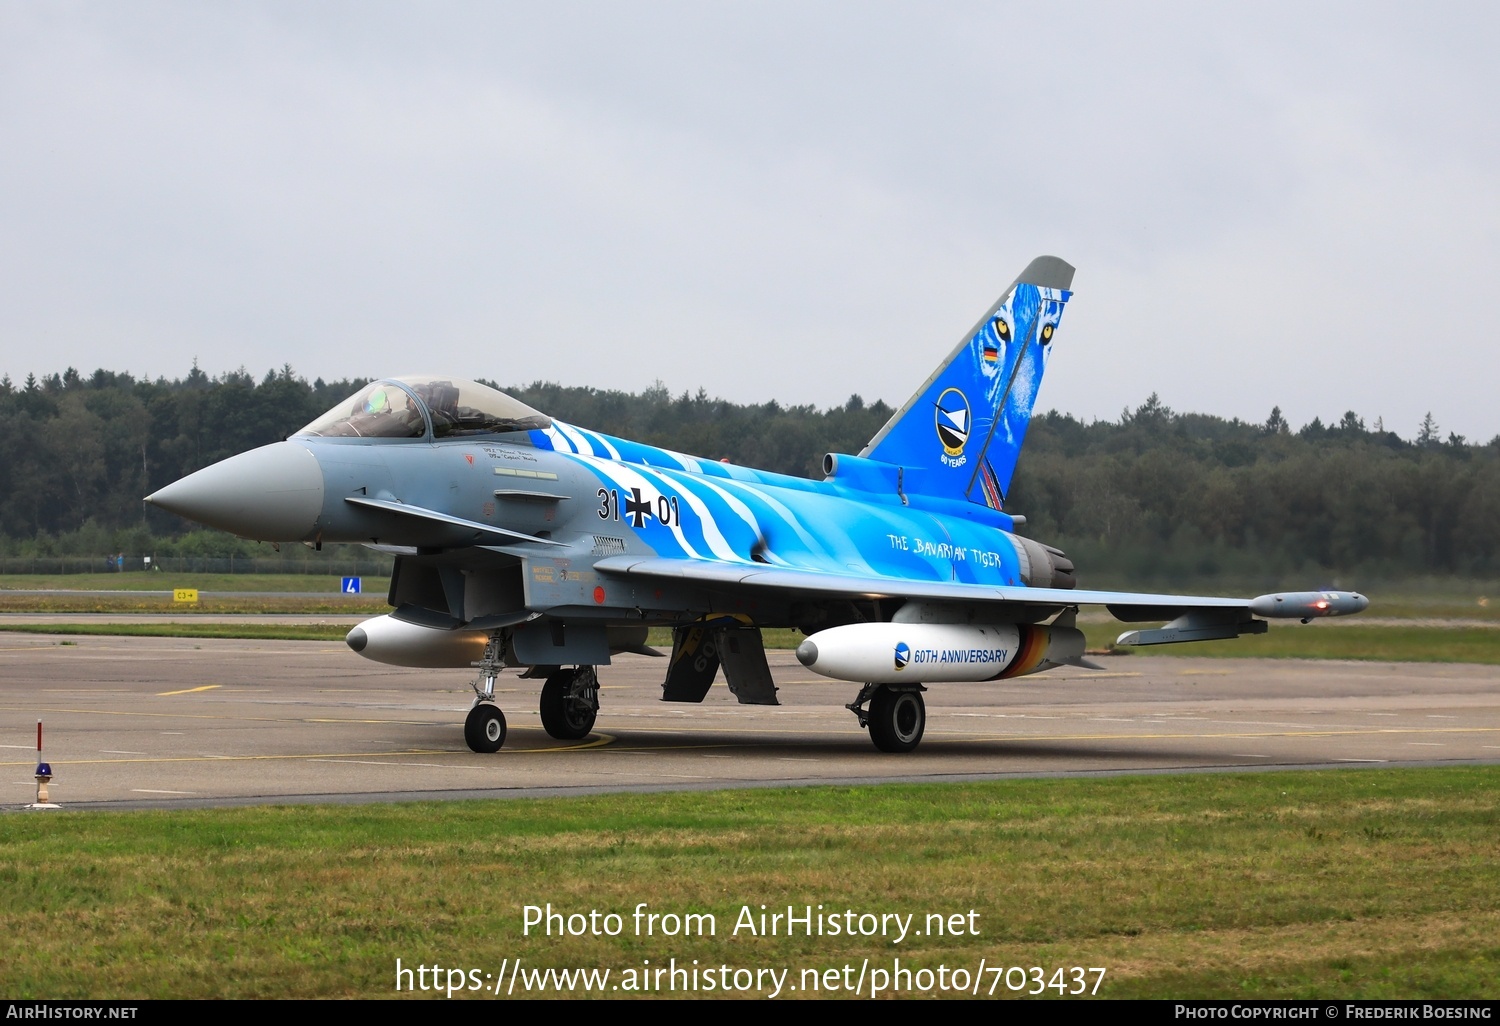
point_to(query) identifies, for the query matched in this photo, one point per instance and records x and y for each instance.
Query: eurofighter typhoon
(525, 543)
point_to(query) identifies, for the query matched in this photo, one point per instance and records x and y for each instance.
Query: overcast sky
(1294, 205)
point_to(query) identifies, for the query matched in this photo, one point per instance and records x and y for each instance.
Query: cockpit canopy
(423, 407)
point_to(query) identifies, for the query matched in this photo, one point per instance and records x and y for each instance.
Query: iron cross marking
(637, 509)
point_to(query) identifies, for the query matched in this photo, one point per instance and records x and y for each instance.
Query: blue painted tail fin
(959, 436)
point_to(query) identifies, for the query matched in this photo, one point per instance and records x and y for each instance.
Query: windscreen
(461, 407)
(382, 409)
(402, 407)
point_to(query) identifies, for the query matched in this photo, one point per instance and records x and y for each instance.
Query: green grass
(261, 631)
(1405, 608)
(1331, 884)
(133, 602)
(1387, 644)
(320, 596)
(312, 583)
(1332, 641)
(1282, 641)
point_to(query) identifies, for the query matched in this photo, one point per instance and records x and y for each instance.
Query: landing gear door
(745, 668)
(694, 664)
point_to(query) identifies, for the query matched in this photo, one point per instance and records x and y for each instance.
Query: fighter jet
(523, 543)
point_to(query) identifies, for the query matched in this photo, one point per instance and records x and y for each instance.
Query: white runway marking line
(153, 790)
(365, 762)
(1266, 723)
(1361, 760)
(115, 751)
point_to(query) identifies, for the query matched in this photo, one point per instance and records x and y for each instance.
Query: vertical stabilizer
(959, 436)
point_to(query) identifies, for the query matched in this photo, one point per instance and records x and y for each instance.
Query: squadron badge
(952, 421)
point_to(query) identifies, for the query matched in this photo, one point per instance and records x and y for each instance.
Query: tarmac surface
(181, 722)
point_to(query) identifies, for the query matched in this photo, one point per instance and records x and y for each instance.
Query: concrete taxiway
(138, 722)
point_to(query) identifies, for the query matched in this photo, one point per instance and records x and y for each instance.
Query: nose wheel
(484, 728)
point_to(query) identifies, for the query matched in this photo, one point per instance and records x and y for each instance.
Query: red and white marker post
(43, 775)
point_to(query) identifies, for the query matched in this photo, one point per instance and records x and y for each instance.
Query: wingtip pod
(1304, 605)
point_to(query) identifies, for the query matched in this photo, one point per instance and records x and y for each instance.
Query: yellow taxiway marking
(598, 741)
(958, 737)
(218, 716)
(1095, 675)
(1270, 733)
(188, 691)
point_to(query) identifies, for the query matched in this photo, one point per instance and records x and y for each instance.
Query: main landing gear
(569, 706)
(570, 703)
(896, 717)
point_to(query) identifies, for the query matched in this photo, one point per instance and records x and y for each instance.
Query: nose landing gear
(569, 704)
(484, 728)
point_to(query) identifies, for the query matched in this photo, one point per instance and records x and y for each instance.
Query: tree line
(1156, 494)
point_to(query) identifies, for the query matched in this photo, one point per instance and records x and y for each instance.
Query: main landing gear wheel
(570, 703)
(897, 719)
(484, 729)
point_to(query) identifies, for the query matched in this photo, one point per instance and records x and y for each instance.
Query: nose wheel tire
(897, 719)
(570, 703)
(484, 729)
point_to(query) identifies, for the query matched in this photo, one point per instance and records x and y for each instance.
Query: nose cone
(807, 653)
(357, 639)
(273, 493)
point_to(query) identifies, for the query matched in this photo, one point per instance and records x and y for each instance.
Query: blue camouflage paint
(734, 514)
(953, 449)
(998, 370)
